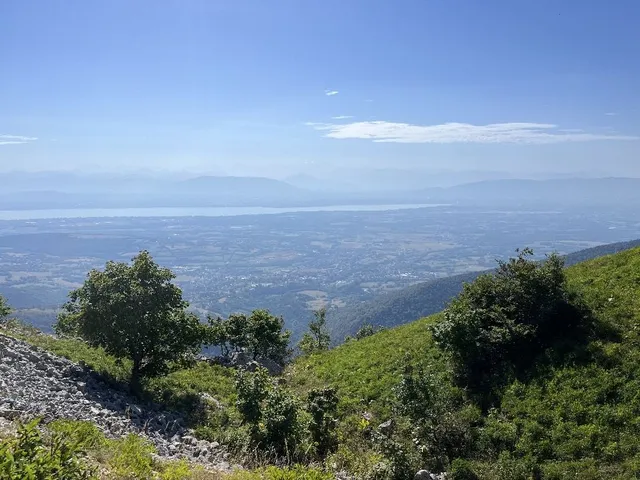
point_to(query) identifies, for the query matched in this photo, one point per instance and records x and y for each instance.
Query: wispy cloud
(15, 139)
(538, 133)
(342, 117)
(611, 114)
(331, 93)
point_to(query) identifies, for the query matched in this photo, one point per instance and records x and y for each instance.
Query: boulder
(386, 428)
(272, 367)
(423, 475)
(427, 475)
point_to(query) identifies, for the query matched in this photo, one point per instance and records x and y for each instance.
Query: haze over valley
(292, 263)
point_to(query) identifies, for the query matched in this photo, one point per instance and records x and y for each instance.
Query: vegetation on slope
(73, 450)
(573, 414)
(428, 298)
(575, 418)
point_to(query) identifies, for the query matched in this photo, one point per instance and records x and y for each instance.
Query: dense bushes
(276, 422)
(269, 412)
(74, 450)
(29, 456)
(322, 404)
(500, 324)
(442, 420)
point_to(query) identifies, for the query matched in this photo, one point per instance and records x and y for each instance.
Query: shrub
(5, 310)
(400, 461)
(131, 457)
(30, 457)
(461, 470)
(270, 412)
(84, 434)
(323, 406)
(282, 429)
(252, 389)
(366, 331)
(499, 324)
(178, 470)
(443, 421)
(297, 472)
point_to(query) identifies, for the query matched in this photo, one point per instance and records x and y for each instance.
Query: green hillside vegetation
(578, 418)
(75, 450)
(569, 408)
(428, 298)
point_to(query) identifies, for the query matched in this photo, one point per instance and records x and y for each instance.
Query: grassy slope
(365, 371)
(578, 412)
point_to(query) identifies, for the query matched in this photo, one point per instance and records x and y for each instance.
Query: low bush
(31, 456)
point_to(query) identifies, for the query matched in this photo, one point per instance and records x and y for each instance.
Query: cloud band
(528, 133)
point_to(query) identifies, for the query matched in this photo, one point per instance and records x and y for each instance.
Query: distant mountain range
(427, 298)
(566, 191)
(47, 190)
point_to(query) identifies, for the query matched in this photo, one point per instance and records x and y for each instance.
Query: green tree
(136, 312)
(261, 334)
(231, 334)
(502, 322)
(317, 338)
(267, 337)
(5, 310)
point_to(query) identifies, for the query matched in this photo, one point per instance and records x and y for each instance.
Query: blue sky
(288, 86)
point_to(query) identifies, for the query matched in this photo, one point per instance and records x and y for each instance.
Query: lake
(191, 211)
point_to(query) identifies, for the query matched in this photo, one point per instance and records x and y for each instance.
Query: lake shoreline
(168, 212)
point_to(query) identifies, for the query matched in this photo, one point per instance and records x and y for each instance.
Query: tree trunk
(134, 383)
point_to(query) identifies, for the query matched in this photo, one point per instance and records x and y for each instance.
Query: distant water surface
(190, 211)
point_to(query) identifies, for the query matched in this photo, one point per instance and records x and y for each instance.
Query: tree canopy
(260, 334)
(133, 311)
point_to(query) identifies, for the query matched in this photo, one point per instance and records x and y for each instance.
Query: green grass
(365, 371)
(578, 420)
(127, 458)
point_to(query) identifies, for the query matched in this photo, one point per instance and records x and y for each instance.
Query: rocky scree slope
(36, 383)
